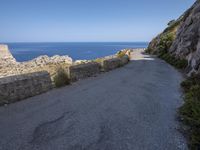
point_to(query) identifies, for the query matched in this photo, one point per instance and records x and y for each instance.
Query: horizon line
(79, 42)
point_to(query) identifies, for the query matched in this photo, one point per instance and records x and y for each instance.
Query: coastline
(76, 50)
(20, 80)
(9, 66)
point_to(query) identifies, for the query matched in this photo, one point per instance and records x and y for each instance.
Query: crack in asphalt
(53, 129)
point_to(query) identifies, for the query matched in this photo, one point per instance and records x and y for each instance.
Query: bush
(181, 63)
(148, 50)
(177, 62)
(98, 60)
(121, 54)
(166, 41)
(171, 22)
(61, 78)
(191, 81)
(172, 25)
(190, 111)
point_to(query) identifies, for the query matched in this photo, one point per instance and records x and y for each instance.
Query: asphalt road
(130, 108)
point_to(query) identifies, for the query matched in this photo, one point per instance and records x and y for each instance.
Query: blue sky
(86, 20)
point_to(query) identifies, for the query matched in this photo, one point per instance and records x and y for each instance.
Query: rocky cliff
(9, 66)
(181, 39)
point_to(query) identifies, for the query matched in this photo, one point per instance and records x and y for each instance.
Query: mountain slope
(181, 39)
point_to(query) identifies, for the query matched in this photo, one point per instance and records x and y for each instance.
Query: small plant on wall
(61, 78)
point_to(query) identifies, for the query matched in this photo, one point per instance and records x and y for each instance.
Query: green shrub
(172, 26)
(177, 62)
(61, 78)
(191, 81)
(166, 41)
(164, 44)
(148, 50)
(190, 111)
(181, 63)
(121, 54)
(99, 60)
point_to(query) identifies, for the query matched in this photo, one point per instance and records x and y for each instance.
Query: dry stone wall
(110, 64)
(81, 71)
(15, 88)
(124, 60)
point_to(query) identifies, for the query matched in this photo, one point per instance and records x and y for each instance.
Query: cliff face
(182, 39)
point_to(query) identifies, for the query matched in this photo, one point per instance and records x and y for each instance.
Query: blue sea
(89, 50)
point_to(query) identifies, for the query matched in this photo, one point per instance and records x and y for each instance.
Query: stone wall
(110, 64)
(124, 60)
(15, 88)
(81, 71)
(88, 69)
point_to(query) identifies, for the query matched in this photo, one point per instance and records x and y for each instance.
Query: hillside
(181, 40)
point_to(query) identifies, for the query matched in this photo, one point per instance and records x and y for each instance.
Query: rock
(9, 66)
(44, 60)
(186, 43)
(6, 57)
(81, 61)
(61, 59)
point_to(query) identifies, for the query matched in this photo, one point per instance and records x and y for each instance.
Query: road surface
(130, 108)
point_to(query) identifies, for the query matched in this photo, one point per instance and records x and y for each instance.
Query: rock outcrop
(6, 57)
(182, 39)
(187, 42)
(9, 66)
(45, 60)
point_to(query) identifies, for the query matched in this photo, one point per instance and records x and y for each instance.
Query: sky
(86, 20)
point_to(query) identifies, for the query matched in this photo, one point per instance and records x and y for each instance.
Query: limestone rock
(81, 61)
(5, 56)
(44, 60)
(186, 44)
(9, 66)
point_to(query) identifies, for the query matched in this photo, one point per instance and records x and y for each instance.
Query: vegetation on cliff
(164, 40)
(173, 60)
(162, 46)
(190, 111)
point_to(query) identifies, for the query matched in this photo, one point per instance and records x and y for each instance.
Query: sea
(76, 50)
